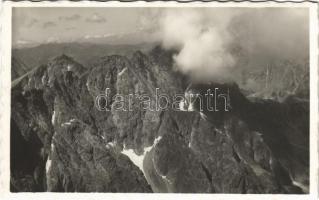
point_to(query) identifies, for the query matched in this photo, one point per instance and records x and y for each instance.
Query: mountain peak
(62, 59)
(67, 63)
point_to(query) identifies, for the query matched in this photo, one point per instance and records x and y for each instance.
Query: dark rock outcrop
(60, 141)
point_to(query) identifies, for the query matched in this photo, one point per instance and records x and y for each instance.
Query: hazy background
(107, 25)
(255, 47)
(135, 25)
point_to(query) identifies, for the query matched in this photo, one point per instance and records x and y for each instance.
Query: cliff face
(60, 141)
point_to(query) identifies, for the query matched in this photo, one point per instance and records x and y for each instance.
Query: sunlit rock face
(61, 142)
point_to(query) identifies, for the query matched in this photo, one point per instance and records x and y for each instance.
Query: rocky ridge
(60, 141)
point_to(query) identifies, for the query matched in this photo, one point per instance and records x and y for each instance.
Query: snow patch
(49, 161)
(69, 67)
(156, 141)
(189, 108)
(69, 122)
(53, 118)
(43, 80)
(110, 144)
(52, 147)
(66, 124)
(87, 85)
(203, 116)
(48, 165)
(136, 159)
(182, 106)
(218, 131)
(302, 186)
(122, 72)
(139, 159)
(166, 179)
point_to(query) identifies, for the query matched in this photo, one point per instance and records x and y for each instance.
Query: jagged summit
(63, 57)
(162, 56)
(70, 145)
(66, 63)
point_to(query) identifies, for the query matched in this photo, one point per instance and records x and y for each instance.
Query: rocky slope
(60, 141)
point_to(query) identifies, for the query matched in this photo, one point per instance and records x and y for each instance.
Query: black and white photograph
(160, 100)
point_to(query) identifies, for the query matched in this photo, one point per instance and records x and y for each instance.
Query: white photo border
(5, 95)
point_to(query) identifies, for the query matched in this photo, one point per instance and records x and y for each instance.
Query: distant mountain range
(277, 80)
(85, 53)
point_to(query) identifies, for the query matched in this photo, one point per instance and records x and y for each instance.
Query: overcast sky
(122, 25)
(72, 24)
